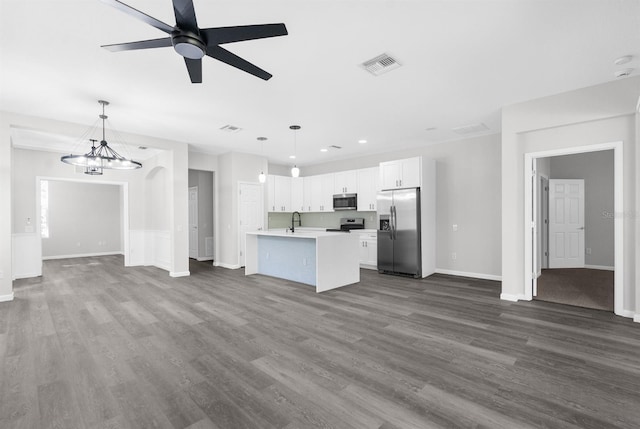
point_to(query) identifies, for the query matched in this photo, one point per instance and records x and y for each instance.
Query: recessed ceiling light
(292, 157)
(324, 149)
(623, 73)
(362, 141)
(623, 60)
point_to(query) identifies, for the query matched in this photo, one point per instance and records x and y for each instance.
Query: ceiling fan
(193, 42)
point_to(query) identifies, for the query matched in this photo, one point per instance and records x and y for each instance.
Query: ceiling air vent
(471, 129)
(335, 147)
(230, 129)
(380, 64)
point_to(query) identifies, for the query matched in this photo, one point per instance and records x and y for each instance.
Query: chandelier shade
(102, 156)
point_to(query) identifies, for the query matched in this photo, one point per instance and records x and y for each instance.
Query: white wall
(594, 115)
(84, 219)
(6, 262)
(233, 167)
(596, 168)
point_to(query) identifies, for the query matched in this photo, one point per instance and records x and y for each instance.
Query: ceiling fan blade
(221, 35)
(139, 15)
(143, 44)
(185, 15)
(227, 57)
(195, 69)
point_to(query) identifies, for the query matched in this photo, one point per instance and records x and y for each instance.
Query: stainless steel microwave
(345, 202)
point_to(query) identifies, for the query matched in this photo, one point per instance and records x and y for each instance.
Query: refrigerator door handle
(393, 222)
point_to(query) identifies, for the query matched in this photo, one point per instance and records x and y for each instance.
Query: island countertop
(324, 259)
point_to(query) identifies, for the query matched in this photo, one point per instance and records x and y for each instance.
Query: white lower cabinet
(369, 250)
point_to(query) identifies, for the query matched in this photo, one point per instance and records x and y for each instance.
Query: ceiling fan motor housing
(188, 44)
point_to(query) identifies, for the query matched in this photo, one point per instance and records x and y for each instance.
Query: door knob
(582, 227)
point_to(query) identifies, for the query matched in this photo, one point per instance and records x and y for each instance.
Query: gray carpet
(582, 287)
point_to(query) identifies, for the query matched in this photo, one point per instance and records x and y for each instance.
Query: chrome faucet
(293, 217)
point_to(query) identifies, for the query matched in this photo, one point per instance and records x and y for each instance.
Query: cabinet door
(367, 189)
(297, 194)
(283, 193)
(316, 193)
(327, 185)
(345, 182)
(372, 252)
(390, 174)
(307, 193)
(271, 193)
(410, 173)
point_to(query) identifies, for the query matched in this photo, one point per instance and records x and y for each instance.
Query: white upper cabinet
(402, 173)
(279, 193)
(297, 194)
(307, 193)
(345, 182)
(367, 189)
(271, 193)
(326, 192)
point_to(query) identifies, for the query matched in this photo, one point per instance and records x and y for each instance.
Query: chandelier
(101, 156)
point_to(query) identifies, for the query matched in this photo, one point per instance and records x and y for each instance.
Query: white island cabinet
(326, 260)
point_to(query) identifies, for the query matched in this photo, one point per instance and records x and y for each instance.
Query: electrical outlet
(454, 256)
(588, 250)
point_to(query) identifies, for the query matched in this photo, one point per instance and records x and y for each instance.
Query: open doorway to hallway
(575, 235)
(201, 215)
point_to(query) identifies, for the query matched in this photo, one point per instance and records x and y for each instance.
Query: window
(44, 208)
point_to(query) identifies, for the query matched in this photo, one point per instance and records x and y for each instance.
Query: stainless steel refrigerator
(399, 249)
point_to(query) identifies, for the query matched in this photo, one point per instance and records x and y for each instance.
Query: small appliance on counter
(349, 223)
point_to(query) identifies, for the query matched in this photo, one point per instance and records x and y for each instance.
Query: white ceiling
(461, 62)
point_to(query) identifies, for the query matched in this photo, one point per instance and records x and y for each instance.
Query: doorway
(201, 215)
(95, 237)
(603, 249)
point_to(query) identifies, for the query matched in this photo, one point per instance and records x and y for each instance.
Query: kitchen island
(326, 260)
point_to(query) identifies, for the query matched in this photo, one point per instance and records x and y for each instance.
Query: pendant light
(102, 156)
(262, 177)
(295, 171)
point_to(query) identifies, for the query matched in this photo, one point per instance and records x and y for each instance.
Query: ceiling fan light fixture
(188, 45)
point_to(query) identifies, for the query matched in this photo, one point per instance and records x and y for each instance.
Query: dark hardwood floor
(92, 344)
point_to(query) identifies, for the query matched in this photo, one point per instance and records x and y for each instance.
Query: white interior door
(193, 222)
(250, 213)
(566, 223)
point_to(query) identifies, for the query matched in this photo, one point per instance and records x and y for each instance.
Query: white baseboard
(81, 255)
(229, 266)
(27, 275)
(179, 273)
(205, 258)
(368, 267)
(5, 298)
(512, 297)
(467, 274)
(600, 267)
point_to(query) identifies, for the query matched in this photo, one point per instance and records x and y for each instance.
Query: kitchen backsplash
(321, 220)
